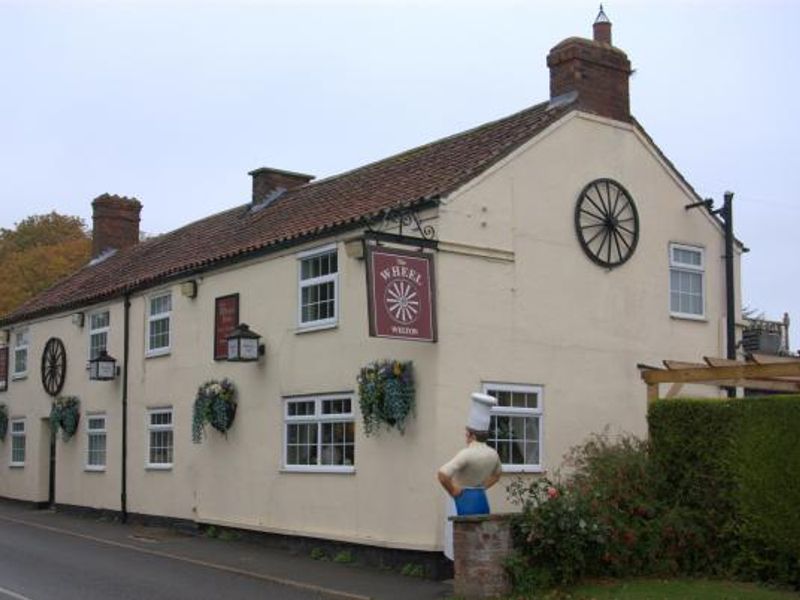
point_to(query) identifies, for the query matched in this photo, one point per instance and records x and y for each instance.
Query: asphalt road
(39, 564)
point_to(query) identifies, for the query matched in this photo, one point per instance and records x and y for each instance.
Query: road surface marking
(13, 595)
(271, 578)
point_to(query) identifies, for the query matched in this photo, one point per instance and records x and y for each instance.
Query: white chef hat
(480, 412)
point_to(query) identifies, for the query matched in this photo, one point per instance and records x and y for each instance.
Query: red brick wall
(481, 544)
(598, 72)
(115, 223)
(266, 181)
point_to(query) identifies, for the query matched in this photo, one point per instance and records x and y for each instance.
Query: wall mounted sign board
(401, 294)
(226, 319)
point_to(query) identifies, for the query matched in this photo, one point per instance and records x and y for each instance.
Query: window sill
(316, 327)
(157, 353)
(687, 317)
(94, 469)
(158, 467)
(324, 470)
(16, 465)
(523, 469)
(18, 376)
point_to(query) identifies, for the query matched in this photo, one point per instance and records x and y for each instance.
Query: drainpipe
(125, 356)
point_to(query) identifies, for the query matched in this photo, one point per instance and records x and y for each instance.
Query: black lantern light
(243, 344)
(103, 367)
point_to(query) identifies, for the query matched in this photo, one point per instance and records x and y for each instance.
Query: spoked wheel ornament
(607, 223)
(54, 366)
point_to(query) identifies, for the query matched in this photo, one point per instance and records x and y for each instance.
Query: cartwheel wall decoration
(54, 366)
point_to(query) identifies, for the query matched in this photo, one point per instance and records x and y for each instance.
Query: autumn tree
(39, 251)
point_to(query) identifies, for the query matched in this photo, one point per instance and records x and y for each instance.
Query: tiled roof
(413, 177)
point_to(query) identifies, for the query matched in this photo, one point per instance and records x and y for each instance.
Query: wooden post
(652, 392)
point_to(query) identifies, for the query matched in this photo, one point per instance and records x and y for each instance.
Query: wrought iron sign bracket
(404, 240)
(399, 220)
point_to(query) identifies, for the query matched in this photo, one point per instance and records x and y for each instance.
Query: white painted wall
(518, 302)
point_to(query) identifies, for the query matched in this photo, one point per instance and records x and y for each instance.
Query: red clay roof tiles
(418, 175)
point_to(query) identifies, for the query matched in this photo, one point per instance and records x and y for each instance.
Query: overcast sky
(174, 102)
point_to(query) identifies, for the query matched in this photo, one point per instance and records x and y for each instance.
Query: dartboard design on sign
(401, 299)
(401, 294)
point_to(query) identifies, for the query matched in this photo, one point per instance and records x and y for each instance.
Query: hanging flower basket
(215, 404)
(3, 421)
(65, 414)
(386, 395)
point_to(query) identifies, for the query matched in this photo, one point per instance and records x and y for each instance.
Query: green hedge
(735, 465)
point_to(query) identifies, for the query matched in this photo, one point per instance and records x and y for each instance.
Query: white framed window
(318, 293)
(21, 342)
(17, 442)
(686, 281)
(515, 430)
(319, 433)
(159, 324)
(99, 325)
(96, 442)
(160, 438)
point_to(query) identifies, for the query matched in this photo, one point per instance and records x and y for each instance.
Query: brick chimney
(594, 69)
(115, 223)
(268, 183)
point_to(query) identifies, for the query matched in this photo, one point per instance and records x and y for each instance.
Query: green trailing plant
(65, 415)
(386, 395)
(3, 421)
(214, 404)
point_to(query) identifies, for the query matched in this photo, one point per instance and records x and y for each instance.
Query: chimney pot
(115, 223)
(602, 28)
(593, 69)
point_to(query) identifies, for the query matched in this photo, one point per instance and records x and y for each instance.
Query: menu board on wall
(400, 285)
(226, 318)
(3, 368)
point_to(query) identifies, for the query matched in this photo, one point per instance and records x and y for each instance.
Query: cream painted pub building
(556, 253)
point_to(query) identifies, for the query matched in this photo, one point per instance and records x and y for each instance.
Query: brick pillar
(595, 70)
(481, 543)
(268, 181)
(115, 223)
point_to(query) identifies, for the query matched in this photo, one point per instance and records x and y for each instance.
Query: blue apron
(472, 501)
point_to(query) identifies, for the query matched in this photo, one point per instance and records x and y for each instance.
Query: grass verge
(670, 589)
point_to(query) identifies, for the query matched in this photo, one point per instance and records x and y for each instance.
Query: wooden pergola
(758, 372)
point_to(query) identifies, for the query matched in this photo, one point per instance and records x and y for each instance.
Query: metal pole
(730, 284)
(730, 288)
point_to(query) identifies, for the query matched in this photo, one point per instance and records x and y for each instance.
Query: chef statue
(472, 471)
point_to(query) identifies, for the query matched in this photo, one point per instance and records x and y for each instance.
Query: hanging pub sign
(226, 319)
(400, 289)
(3, 368)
